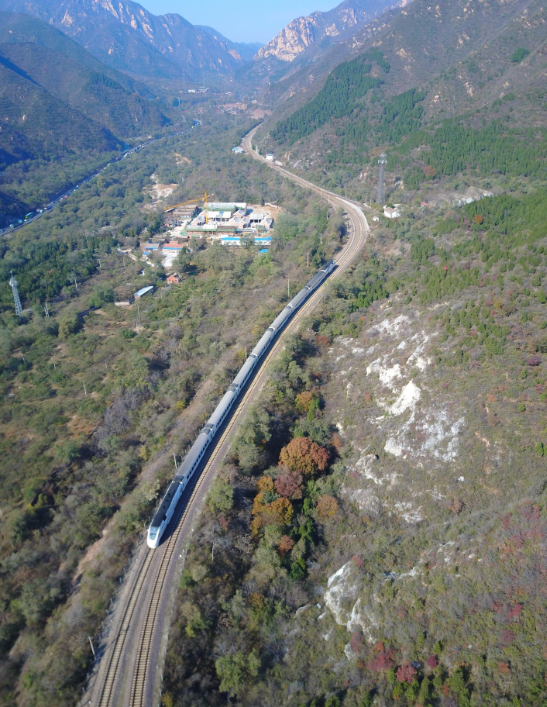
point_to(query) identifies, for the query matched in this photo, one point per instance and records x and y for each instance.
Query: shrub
(519, 54)
(327, 507)
(221, 497)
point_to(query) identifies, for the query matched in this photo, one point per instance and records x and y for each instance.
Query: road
(130, 671)
(17, 225)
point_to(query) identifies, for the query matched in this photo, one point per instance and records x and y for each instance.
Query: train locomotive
(200, 446)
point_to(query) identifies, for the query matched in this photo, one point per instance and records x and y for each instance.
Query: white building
(391, 213)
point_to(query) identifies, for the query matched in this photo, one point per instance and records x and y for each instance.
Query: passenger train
(200, 446)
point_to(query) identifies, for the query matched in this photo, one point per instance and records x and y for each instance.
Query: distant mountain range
(127, 37)
(245, 50)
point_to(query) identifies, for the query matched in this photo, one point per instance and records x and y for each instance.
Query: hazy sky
(241, 20)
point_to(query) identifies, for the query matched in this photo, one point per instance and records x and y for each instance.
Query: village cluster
(230, 224)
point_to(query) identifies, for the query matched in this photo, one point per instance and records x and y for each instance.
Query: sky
(241, 20)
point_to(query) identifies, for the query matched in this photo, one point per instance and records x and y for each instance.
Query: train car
(195, 455)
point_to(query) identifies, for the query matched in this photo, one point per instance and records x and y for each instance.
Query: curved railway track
(130, 671)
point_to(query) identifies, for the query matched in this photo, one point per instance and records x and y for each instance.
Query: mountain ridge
(303, 32)
(62, 111)
(131, 39)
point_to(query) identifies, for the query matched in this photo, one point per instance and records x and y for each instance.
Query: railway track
(134, 647)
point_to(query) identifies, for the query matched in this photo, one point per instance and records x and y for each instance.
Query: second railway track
(128, 676)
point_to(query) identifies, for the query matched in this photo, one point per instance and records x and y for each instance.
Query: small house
(391, 212)
(173, 279)
(173, 246)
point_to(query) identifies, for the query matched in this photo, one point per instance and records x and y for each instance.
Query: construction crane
(206, 204)
(191, 201)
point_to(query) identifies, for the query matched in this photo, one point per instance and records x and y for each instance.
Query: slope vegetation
(129, 38)
(59, 103)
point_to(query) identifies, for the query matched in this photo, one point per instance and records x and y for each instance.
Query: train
(194, 457)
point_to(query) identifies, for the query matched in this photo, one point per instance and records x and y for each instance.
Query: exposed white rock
(342, 591)
(407, 400)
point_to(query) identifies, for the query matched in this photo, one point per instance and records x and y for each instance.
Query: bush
(221, 497)
(71, 323)
(519, 54)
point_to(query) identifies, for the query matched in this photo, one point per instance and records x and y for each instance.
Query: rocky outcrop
(323, 27)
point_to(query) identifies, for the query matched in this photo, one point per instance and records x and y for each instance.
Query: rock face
(129, 38)
(324, 27)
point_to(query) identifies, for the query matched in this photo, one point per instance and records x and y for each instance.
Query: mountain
(68, 72)
(419, 43)
(131, 39)
(62, 112)
(306, 40)
(324, 27)
(245, 50)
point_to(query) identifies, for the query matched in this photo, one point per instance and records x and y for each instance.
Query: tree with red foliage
(305, 456)
(432, 662)
(289, 485)
(383, 660)
(407, 673)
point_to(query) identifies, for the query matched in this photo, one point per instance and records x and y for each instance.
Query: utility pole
(288, 288)
(46, 310)
(381, 179)
(16, 299)
(85, 390)
(92, 649)
(175, 458)
(76, 283)
(308, 258)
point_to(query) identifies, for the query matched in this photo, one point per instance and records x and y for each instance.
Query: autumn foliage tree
(304, 400)
(289, 485)
(286, 544)
(406, 673)
(269, 508)
(305, 456)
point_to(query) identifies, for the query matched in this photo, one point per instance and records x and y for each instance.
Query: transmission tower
(16, 298)
(381, 179)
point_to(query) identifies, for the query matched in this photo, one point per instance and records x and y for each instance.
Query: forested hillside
(95, 403)
(63, 112)
(433, 75)
(129, 38)
(379, 530)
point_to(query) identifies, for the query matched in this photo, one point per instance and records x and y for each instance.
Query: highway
(35, 215)
(130, 671)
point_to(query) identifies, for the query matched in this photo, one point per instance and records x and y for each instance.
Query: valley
(369, 528)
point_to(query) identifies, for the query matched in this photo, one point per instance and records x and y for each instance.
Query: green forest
(345, 86)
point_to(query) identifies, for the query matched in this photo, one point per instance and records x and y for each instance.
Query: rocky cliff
(324, 27)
